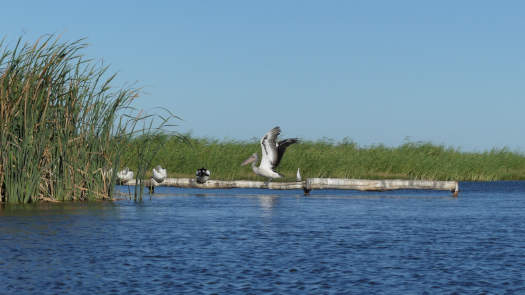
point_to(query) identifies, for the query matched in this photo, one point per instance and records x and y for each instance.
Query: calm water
(258, 241)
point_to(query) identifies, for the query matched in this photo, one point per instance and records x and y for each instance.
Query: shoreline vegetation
(344, 159)
(65, 131)
(63, 126)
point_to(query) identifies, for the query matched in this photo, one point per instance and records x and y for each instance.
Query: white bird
(159, 174)
(298, 176)
(202, 175)
(125, 175)
(272, 153)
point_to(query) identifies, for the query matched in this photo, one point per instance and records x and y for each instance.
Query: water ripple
(251, 243)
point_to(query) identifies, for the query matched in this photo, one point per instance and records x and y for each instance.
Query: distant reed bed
(61, 136)
(345, 159)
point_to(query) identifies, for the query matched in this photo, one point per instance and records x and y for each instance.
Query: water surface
(278, 242)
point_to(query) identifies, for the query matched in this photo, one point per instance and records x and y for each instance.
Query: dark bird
(202, 175)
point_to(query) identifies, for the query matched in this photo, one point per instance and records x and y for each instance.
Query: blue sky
(449, 72)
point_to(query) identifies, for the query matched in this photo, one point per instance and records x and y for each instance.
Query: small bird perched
(159, 174)
(272, 153)
(202, 175)
(125, 175)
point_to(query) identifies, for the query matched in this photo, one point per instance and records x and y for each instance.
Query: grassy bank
(342, 159)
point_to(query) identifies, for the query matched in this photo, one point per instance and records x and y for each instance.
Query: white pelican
(272, 153)
(125, 175)
(159, 174)
(202, 175)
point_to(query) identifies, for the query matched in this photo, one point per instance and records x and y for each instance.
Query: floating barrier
(310, 184)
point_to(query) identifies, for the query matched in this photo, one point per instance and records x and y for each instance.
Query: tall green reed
(345, 159)
(60, 132)
(148, 137)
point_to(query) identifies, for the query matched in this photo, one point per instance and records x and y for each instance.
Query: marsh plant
(149, 136)
(61, 126)
(343, 159)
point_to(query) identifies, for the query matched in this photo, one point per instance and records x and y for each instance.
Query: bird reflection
(267, 202)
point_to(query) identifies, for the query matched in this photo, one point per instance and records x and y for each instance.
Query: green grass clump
(344, 159)
(60, 132)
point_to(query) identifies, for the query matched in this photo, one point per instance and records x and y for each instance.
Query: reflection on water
(267, 202)
(249, 241)
(58, 208)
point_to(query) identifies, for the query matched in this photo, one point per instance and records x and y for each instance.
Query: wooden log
(221, 184)
(379, 185)
(309, 184)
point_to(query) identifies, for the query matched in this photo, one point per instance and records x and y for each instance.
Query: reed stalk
(148, 137)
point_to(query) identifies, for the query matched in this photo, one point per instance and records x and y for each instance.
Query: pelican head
(251, 159)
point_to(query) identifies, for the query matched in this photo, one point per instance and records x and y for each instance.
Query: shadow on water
(57, 208)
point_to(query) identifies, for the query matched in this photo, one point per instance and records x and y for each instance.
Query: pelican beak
(249, 160)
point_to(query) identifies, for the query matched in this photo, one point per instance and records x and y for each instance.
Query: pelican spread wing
(272, 153)
(281, 148)
(269, 149)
